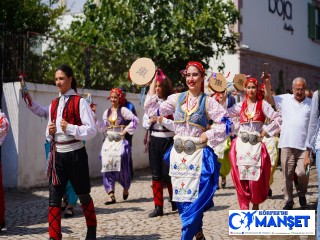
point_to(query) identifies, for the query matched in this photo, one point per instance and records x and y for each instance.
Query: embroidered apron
(185, 172)
(111, 152)
(248, 159)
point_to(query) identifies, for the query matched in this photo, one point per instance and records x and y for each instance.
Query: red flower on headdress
(160, 77)
(119, 92)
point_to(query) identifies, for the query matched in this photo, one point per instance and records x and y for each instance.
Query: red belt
(68, 142)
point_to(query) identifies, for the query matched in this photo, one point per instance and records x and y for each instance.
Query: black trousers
(157, 148)
(71, 166)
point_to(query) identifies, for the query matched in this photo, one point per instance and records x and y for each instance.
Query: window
(313, 21)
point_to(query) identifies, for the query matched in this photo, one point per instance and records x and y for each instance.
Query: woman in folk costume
(249, 157)
(70, 123)
(222, 150)
(116, 151)
(160, 132)
(194, 168)
(4, 128)
(70, 199)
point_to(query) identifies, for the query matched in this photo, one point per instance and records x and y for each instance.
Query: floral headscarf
(255, 82)
(197, 65)
(201, 69)
(119, 92)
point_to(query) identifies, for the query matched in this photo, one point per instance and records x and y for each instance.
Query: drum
(217, 82)
(239, 80)
(142, 71)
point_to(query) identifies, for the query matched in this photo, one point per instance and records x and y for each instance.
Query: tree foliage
(171, 32)
(28, 15)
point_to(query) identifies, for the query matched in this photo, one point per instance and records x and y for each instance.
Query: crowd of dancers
(191, 139)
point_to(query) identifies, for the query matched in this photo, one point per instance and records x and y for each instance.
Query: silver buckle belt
(188, 146)
(114, 137)
(251, 138)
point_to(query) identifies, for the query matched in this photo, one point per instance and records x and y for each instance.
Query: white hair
(298, 79)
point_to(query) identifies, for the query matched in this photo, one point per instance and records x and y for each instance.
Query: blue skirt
(191, 213)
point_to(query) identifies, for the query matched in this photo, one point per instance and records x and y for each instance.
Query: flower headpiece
(120, 93)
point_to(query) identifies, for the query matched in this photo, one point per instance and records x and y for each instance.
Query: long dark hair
(69, 73)
(166, 88)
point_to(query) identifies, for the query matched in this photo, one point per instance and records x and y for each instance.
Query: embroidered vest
(71, 111)
(119, 121)
(197, 118)
(258, 116)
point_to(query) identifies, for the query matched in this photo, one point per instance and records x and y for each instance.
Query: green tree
(20, 47)
(171, 32)
(28, 15)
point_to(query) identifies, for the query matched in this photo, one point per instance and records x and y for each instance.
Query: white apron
(185, 172)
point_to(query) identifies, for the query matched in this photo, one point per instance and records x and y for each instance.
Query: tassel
(51, 171)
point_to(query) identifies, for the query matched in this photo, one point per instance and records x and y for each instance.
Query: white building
(284, 33)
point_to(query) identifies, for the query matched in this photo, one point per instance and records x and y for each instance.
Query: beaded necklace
(194, 104)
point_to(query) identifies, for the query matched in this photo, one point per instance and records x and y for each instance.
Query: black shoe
(69, 213)
(112, 200)
(64, 205)
(125, 194)
(303, 202)
(173, 206)
(288, 206)
(158, 211)
(201, 238)
(270, 193)
(91, 233)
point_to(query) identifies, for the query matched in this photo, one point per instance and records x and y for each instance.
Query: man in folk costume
(4, 128)
(194, 168)
(249, 158)
(70, 122)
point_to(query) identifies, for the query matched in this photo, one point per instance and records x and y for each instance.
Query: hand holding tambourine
(218, 83)
(239, 80)
(142, 71)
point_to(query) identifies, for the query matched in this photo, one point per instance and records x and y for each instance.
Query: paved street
(26, 213)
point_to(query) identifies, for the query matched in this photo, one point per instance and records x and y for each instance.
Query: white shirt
(126, 114)
(84, 132)
(295, 120)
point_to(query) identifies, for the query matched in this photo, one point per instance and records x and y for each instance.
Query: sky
(75, 6)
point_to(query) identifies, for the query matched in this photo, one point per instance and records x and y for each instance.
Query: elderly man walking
(295, 111)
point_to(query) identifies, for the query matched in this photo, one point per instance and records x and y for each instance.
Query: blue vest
(198, 118)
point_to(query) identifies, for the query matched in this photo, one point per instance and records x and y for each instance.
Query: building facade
(283, 33)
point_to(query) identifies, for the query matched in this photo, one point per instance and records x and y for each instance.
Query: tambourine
(239, 80)
(142, 71)
(217, 82)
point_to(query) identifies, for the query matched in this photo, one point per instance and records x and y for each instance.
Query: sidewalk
(26, 213)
